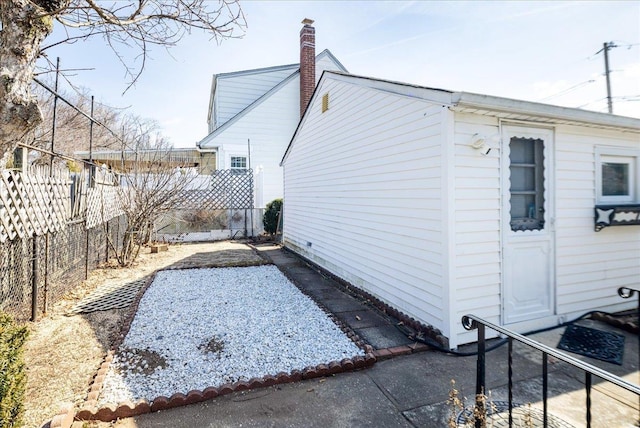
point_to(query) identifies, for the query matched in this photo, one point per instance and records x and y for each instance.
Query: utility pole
(605, 49)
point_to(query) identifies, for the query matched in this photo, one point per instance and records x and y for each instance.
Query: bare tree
(72, 126)
(138, 24)
(152, 183)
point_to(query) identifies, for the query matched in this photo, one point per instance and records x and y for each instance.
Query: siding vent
(325, 102)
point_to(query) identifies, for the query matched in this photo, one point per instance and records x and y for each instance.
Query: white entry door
(528, 219)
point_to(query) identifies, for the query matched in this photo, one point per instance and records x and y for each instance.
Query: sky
(548, 52)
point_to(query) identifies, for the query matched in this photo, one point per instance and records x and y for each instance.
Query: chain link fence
(16, 277)
(51, 265)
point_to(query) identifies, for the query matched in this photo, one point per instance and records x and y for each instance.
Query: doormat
(602, 345)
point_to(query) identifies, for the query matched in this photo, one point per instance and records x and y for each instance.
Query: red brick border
(64, 418)
(110, 412)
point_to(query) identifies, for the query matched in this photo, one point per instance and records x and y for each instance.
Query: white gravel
(260, 323)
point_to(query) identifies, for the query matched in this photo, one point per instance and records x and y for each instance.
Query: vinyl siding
(590, 266)
(476, 276)
(324, 62)
(363, 195)
(384, 191)
(236, 92)
(269, 127)
(269, 123)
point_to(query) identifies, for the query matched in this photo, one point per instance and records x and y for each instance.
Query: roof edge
(257, 70)
(509, 105)
(333, 58)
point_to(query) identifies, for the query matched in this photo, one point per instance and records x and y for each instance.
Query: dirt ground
(64, 352)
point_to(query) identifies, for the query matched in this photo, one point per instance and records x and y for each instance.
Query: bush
(12, 372)
(271, 216)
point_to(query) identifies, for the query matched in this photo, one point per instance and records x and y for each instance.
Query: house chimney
(307, 63)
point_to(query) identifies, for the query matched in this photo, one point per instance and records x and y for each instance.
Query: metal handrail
(471, 322)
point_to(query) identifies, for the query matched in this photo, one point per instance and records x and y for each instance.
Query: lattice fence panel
(103, 204)
(229, 189)
(32, 204)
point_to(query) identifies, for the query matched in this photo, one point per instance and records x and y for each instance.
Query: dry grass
(64, 352)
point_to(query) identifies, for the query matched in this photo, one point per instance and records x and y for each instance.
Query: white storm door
(527, 226)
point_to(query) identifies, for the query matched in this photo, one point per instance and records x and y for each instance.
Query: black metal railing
(471, 322)
(627, 293)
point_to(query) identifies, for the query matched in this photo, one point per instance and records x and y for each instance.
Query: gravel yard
(65, 350)
(196, 328)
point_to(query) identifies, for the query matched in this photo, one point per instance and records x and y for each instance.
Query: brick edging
(386, 353)
(110, 412)
(96, 385)
(64, 418)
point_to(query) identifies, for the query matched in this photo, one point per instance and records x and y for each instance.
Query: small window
(526, 168)
(617, 176)
(238, 164)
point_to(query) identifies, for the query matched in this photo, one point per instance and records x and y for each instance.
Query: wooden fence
(32, 204)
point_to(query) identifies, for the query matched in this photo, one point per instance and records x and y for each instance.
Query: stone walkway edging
(386, 353)
(111, 412)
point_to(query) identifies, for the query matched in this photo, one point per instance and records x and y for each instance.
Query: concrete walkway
(377, 329)
(410, 390)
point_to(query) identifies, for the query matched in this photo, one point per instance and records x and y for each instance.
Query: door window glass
(526, 167)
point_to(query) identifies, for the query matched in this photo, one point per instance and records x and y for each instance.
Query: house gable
(324, 61)
(265, 128)
(233, 92)
(498, 107)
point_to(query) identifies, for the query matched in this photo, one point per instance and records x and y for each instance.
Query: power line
(567, 90)
(592, 102)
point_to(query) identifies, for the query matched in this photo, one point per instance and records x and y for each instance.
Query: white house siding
(269, 124)
(324, 62)
(269, 127)
(476, 267)
(363, 195)
(236, 92)
(590, 266)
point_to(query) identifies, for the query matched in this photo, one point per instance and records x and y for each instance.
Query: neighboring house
(124, 160)
(445, 203)
(260, 109)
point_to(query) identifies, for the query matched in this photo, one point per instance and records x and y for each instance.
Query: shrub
(12, 372)
(271, 216)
